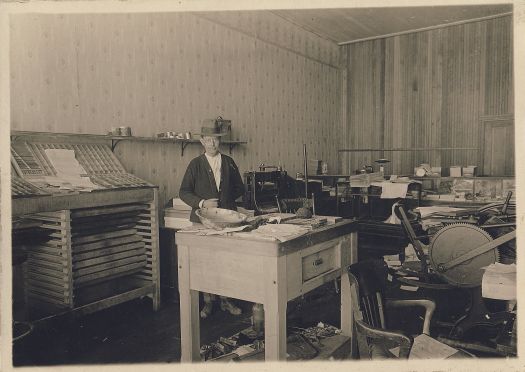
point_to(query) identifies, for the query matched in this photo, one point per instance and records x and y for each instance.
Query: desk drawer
(319, 262)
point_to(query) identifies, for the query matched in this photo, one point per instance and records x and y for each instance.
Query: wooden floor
(133, 333)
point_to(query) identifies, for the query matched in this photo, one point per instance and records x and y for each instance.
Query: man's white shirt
(215, 164)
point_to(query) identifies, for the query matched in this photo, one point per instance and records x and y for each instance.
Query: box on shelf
(469, 171)
(455, 171)
(436, 171)
(427, 170)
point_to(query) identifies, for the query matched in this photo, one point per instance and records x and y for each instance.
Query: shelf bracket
(182, 147)
(114, 143)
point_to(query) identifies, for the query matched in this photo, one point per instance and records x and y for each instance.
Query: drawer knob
(318, 262)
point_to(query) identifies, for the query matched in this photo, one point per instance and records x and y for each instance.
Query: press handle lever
(506, 204)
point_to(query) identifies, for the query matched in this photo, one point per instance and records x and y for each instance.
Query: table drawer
(319, 262)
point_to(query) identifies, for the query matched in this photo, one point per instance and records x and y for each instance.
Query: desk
(265, 271)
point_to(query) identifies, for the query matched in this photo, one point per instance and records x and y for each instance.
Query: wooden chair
(367, 282)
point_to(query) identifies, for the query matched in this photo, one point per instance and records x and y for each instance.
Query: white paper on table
(391, 190)
(208, 231)
(428, 211)
(281, 232)
(243, 350)
(224, 231)
(499, 282)
(426, 347)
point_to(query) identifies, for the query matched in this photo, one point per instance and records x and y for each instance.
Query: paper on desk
(425, 347)
(499, 282)
(391, 190)
(223, 231)
(428, 211)
(69, 173)
(281, 232)
(207, 231)
(243, 350)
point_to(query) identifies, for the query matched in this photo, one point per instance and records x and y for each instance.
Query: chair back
(370, 279)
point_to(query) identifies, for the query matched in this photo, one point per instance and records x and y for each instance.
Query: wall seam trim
(267, 41)
(429, 28)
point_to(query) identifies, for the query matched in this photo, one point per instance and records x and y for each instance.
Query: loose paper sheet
(425, 347)
(428, 211)
(499, 282)
(390, 190)
(281, 232)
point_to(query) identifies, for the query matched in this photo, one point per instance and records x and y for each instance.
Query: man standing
(212, 180)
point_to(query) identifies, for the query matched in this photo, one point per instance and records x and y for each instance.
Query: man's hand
(210, 203)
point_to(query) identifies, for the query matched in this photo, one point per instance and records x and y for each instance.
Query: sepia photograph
(218, 183)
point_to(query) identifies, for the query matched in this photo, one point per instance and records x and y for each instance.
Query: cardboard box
(436, 171)
(455, 171)
(469, 171)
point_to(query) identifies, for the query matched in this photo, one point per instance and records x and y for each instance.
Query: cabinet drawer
(318, 263)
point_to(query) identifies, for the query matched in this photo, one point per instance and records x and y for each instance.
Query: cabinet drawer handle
(318, 262)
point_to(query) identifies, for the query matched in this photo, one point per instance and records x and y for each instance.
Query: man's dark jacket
(199, 183)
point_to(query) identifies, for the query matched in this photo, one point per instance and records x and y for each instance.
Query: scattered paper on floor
(426, 347)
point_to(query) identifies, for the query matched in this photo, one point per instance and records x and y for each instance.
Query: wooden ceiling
(343, 25)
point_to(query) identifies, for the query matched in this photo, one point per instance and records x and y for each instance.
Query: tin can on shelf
(324, 167)
(125, 131)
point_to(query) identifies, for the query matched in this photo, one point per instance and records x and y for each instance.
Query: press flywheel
(458, 252)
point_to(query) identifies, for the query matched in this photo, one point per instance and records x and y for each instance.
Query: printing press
(263, 189)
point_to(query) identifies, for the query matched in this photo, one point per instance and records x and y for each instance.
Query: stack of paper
(499, 282)
(178, 217)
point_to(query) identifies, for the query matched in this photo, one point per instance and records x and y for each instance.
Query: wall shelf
(15, 135)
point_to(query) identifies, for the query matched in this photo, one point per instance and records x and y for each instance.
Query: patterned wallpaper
(87, 73)
(270, 28)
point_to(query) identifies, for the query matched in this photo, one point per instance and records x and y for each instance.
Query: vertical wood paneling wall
(428, 89)
(87, 73)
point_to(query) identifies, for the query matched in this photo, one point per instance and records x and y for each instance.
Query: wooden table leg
(275, 309)
(347, 328)
(189, 311)
(346, 306)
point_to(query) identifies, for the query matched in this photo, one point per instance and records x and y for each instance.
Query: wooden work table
(261, 270)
